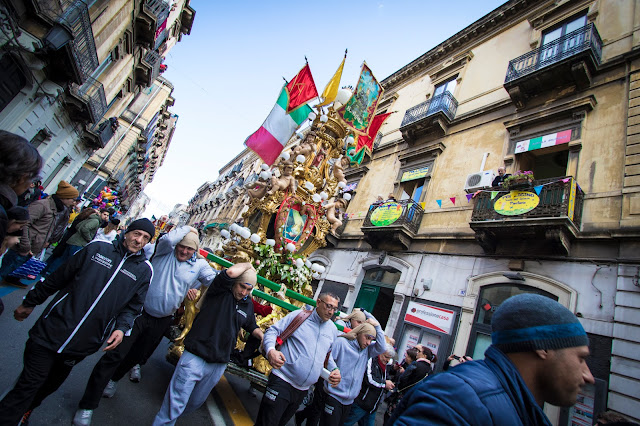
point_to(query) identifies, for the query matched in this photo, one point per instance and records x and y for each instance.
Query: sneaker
(82, 417)
(25, 418)
(134, 373)
(110, 390)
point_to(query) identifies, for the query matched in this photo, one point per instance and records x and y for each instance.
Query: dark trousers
(279, 403)
(327, 411)
(311, 412)
(145, 337)
(43, 372)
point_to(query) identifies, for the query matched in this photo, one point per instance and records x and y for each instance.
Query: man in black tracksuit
(101, 290)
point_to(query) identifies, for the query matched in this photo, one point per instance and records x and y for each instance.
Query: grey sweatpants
(191, 384)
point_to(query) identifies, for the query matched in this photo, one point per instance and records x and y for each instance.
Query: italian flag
(269, 140)
(289, 112)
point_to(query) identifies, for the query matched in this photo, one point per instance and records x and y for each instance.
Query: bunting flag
(565, 180)
(469, 197)
(301, 89)
(439, 203)
(493, 194)
(269, 140)
(423, 205)
(453, 200)
(538, 189)
(331, 91)
(361, 106)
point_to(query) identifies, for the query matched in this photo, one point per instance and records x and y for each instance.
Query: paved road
(231, 402)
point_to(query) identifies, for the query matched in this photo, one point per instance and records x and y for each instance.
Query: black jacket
(101, 288)
(215, 329)
(373, 386)
(417, 371)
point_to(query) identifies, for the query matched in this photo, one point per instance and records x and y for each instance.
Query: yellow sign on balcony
(414, 174)
(572, 200)
(516, 203)
(386, 214)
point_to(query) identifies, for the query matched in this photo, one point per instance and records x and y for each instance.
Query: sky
(229, 71)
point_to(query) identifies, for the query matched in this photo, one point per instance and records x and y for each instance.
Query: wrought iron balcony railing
(92, 94)
(159, 9)
(71, 33)
(555, 201)
(444, 103)
(405, 213)
(581, 40)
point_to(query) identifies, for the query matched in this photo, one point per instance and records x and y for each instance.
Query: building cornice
(491, 22)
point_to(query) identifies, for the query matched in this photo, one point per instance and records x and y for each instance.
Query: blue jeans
(55, 263)
(10, 262)
(360, 416)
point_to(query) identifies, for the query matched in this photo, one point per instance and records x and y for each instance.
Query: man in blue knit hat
(538, 354)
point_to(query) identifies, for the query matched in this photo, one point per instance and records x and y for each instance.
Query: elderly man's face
(565, 373)
(134, 241)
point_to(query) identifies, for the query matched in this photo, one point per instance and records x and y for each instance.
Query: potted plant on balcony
(518, 180)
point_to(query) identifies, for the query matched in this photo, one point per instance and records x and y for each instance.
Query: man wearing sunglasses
(299, 361)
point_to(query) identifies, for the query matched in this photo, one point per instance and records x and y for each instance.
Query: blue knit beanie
(528, 322)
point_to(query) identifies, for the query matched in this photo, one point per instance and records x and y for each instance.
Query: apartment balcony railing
(93, 101)
(149, 22)
(390, 224)
(100, 134)
(432, 115)
(71, 41)
(568, 60)
(556, 218)
(52, 9)
(148, 69)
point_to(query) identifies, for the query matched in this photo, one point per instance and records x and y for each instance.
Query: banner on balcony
(386, 214)
(361, 106)
(543, 141)
(572, 200)
(414, 174)
(516, 203)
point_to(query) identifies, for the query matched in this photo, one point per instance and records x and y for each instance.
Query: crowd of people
(120, 292)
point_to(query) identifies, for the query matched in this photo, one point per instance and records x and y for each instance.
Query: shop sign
(414, 174)
(432, 317)
(386, 214)
(516, 203)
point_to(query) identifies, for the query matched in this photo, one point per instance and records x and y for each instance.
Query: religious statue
(338, 169)
(284, 182)
(334, 214)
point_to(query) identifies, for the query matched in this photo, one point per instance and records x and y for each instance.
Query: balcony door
(555, 49)
(438, 101)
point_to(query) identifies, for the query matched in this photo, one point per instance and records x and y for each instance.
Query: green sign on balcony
(386, 214)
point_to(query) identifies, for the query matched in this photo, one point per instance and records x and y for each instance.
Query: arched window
(376, 292)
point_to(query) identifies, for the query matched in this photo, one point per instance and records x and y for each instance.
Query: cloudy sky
(229, 71)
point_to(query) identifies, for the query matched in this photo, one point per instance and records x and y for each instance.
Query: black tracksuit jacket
(100, 289)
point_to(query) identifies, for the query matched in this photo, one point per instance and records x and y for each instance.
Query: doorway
(376, 293)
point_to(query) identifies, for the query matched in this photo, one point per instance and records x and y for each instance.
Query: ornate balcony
(70, 40)
(432, 116)
(569, 60)
(149, 22)
(99, 135)
(526, 223)
(392, 225)
(148, 69)
(87, 102)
